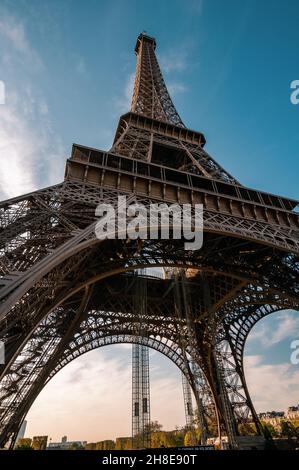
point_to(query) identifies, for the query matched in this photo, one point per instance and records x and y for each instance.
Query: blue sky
(68, 67)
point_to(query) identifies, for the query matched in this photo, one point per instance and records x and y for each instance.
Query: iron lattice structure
(141, 433)
(63, 292)
(187, 394)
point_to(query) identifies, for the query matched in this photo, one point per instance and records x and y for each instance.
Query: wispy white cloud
(2, 92)
(91, 397)
(284, 325)
(176, 88)
(106, 136)
(181, 58)
(13, 31)
(31, 154)
(16, 149)
(80, 66)
(272, 386)
(195, 6)
(122, 103)
(173, 61)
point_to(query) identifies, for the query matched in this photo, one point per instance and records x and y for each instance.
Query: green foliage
(75, 446)
(212, 427)
(198, 434)
(24, 443)
(155, 426)
(179, 437)
(247, 429)
(39, 442)
(269, 429)
(161, 439)
(123, 443)
(190, 438)
(90, 446)
(105, 445)
(288, 429)
(295, 422)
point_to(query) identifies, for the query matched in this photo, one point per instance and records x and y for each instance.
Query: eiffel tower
(63, 292)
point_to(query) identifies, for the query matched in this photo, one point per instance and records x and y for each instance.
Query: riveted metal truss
(64, 292)
(150, 95)
(187, 394)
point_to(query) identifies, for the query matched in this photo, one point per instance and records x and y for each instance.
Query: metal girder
(56, 342)
(150, 95)
(63, 292)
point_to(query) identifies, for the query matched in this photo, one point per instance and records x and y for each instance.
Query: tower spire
(150, 95)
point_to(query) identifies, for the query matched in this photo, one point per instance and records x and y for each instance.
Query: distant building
(271, 414)
(65, 444)
(275, 418)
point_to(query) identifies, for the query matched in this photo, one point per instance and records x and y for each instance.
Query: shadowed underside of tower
(63, 292)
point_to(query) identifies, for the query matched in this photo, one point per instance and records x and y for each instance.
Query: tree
(123, 443)
(270, 429)
(76, 446)
(163, 439)
(288, 430)
(90, 446)
(105, 445)
(178, 437)
(198, 434)
(247, 429)
(190, 438)
(155, 426)
(39, 442)
(24, 443)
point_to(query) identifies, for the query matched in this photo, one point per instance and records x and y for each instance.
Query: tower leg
(141, 433)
